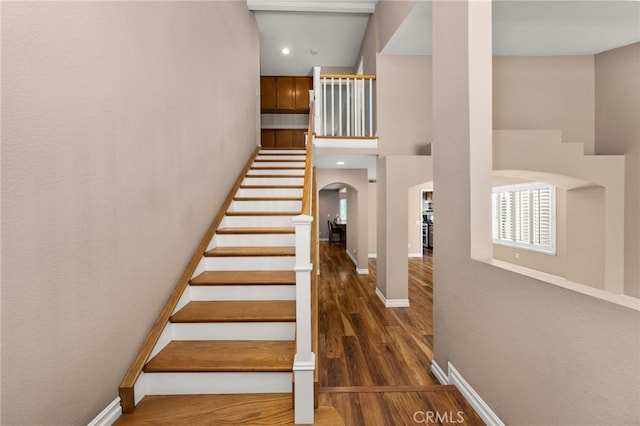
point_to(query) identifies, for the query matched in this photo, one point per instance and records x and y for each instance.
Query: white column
(304, 362)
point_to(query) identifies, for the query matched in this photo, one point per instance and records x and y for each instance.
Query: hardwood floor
(375, 362)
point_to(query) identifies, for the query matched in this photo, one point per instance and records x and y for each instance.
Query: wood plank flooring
(375, 362)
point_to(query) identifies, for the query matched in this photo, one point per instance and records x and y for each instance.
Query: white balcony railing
(344, 105)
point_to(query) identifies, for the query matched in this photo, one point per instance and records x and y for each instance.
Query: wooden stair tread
(251, 251)
(276, 176)
(245, 278)
(275, 160)
(224, 356)
(263, 213)
(229, 409)
(277, 168)
(247, 230)
(237, 311)
(271, 186)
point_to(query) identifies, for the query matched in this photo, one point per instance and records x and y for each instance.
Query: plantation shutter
(542, 216)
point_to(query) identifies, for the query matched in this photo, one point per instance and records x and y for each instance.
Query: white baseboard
(455, 378)
(415, 254)
(362, 271)
(439, 373)
(109, 415)
(323, 239)
(392, 303)
(372, 255)
(353, 259)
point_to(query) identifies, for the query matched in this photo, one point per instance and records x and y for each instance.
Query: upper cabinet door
(303, 85)
(268, 93)
(289, 95)
(286, 93)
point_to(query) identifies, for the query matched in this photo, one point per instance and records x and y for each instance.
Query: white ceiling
(521, 27)
(536, 27)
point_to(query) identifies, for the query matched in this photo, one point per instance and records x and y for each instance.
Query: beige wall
(586, 235)
(124, 125)
(617, 91)
(545, 93)
(403, 104)
(396, 174)
(372, 212)
(536, 353)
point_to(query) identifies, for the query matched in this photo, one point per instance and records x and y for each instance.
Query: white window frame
(529, 245)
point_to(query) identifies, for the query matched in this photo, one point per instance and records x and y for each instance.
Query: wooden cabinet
(283, 138)
(285, 94)
(268, 138)
(302, 85)
(268, 93)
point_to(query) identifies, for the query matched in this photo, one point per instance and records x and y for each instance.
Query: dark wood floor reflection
(375, 361)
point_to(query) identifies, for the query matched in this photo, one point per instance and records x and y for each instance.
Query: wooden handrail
(306, 192)
(349, 76)
(126, 389)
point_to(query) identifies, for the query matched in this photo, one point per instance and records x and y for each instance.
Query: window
(343, 210)
(524, 216)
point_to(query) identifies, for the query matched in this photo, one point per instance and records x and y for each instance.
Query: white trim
(481, 407)
(321, 142)
(392, 303)
(372, 255)
(109, 415)
(360, 271)
(323, 239)
(439, 373)
(415, 254)
(353, 259)
(313, 6)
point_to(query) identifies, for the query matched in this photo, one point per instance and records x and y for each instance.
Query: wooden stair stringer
(157, 356)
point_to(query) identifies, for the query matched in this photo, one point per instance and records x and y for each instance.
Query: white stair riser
(243, 292)
(284, 151)
(269, 192)
(257, 222)
(216, 383)
(282, 157)
(259, 164)
(265, 206)
(234, 331)
(253, 240)
(250, 263)
(283, 172)
(285, 181)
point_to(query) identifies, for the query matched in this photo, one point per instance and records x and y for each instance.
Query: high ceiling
(333, 30)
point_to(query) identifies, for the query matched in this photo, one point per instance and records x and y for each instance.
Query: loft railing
(344, 105)
(304, 364)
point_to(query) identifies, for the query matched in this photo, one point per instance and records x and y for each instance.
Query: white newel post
(318, 99)
(305, 360)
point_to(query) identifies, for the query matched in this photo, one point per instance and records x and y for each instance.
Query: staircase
(231, 326)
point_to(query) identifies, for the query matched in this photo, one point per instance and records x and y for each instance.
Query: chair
(334, 230)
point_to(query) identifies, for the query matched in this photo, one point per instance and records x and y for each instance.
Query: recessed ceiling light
(340, 163)
(286, 51)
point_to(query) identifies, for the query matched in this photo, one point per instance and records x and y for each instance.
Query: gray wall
(124, 126)
(329, 207)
